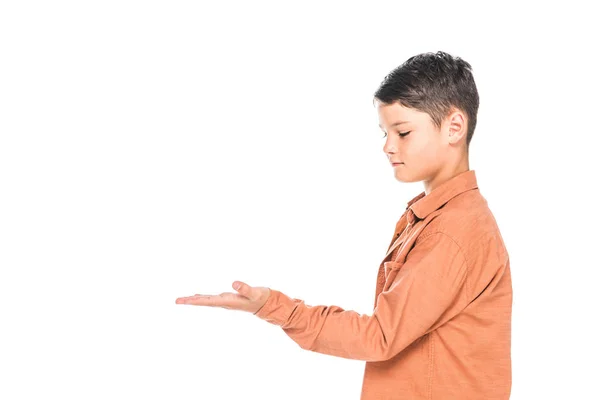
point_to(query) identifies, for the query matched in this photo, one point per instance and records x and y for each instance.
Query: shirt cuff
(278, 308)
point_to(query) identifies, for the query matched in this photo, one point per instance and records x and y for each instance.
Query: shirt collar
(422, 205)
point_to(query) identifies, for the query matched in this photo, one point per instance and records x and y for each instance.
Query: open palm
(248, 298)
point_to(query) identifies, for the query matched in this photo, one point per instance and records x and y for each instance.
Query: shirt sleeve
(419, 295)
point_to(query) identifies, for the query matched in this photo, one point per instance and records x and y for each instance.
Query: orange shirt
(441, 323)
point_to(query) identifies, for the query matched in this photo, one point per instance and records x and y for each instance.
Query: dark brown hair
(433, 83)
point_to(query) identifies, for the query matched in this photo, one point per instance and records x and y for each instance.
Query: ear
(457, 127)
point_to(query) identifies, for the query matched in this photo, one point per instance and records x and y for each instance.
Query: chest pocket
(398, 258)
(391, 269)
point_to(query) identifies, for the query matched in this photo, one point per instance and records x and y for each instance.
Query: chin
(400, 177)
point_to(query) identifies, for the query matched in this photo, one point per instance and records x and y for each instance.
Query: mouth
(397, 163)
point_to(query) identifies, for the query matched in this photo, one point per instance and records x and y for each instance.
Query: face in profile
(412, 142)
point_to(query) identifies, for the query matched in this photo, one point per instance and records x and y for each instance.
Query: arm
(424, 293)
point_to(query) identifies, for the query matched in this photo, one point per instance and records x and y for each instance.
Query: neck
(453, 169)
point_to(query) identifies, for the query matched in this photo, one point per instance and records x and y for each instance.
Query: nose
(389, 148)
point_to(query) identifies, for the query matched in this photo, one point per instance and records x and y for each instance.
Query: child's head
(436, 94)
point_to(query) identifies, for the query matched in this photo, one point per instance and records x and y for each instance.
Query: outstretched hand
(250, 299)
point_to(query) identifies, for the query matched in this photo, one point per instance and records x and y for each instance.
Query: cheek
(424, 152)
(420, 149)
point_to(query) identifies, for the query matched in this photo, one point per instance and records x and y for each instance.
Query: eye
(401, 134)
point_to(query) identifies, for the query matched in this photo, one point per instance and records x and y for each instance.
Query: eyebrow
(397, 123)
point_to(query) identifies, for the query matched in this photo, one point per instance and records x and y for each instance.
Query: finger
(244, 289)
(202, 300)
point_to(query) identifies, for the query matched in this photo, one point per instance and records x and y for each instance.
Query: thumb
(243, 289)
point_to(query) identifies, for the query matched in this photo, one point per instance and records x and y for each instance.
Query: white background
(152, 150)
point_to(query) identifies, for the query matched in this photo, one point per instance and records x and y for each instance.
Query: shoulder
(469, 222)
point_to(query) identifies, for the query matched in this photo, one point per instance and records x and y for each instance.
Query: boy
(441, 323)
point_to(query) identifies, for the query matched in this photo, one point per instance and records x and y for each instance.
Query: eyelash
(401, 134)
